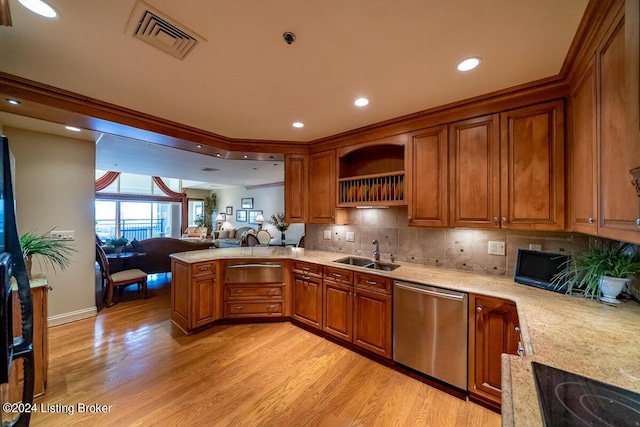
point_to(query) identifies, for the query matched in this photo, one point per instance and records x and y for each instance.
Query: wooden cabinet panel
(584, 202)
(493, 333)
(240, 292)
(307, 300)
(532, 152)
(427, 199)
(253, 309)
(373, 282)
(322, 187)
(372, 321)
(203, 306)
(195, 295)
(296, 186)
(618, 199)
(307, 269)
(474, 172)
(338, 310)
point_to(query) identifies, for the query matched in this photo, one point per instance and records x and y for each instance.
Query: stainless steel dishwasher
(430, 331)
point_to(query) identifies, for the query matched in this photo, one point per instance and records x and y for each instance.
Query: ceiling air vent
(210, 169)
(160, 31)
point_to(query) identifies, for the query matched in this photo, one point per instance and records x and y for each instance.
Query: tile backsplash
(461, 249)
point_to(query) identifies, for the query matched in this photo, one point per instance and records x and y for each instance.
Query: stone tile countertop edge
(570, 333)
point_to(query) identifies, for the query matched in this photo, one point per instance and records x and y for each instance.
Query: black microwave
(535, 268)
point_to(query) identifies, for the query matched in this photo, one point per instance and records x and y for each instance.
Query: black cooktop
(568, 399)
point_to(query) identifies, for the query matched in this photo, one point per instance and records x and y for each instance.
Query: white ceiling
(244, 81)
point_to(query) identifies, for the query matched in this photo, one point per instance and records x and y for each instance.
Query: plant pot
(282, 237)
(611, 288)
(28, 263)
(118, 249)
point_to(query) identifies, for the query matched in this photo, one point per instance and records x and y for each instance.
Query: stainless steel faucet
(376, 251)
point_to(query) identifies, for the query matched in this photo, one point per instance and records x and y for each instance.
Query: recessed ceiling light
(245, 156)
(13, 101)
(361, 102)
(40, 7)
(298, 124)
(218, 154)
(199, 146)
(72, 128)
(468, 64)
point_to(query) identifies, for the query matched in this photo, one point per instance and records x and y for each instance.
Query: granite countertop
(34, 282)
(570, 333)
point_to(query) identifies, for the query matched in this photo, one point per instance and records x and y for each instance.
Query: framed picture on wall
(253, 215)
(229, 210)
(246, 203)
(241, 216)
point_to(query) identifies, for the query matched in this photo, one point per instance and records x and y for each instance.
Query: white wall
(55, 189)
(269, 200)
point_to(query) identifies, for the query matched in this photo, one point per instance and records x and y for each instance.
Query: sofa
(230, 238)
(157, 250)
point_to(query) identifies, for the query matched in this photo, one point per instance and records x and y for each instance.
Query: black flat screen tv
(535, 268)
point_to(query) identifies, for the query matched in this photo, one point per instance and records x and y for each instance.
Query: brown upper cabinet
(296, 176)
(474, 167)
(372, 173)
(507, 170)
(532, 167)
(604, 144)
(427, 172)
(322, 187)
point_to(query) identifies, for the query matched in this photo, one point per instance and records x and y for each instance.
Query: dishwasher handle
(255, 266)
(431, 291)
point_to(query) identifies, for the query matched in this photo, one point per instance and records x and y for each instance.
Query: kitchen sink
(367, 263)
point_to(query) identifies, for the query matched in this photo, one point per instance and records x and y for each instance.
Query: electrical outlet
(533, 247)
(327, 234)
(62, 235)
(496, 248)
(351, 236)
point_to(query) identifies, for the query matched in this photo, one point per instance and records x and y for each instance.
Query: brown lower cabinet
(493, 330)
(194, 294)
(307, 294)
(359, 314)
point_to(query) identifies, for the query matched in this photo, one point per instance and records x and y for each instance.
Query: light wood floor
(130, 357)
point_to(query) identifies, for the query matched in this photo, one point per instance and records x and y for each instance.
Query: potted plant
(118, 243)
(54, 252)
(278, 221)
(205, 219)
(600, 272)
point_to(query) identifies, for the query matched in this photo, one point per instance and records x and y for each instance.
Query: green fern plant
(584, 270)
(53, 252)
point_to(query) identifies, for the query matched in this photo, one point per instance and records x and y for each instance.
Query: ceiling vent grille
(160, 31)
(207, 169)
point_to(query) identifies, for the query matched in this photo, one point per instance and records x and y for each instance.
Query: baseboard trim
(72, 316)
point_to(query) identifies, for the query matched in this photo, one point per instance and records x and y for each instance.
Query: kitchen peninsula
(569, 333)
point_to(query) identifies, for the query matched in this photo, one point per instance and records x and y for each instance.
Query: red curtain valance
(106, 180)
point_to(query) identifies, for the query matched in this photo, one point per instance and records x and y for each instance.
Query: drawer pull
(239, 307)
(238, 291)
(204, 268)
(306, 268)
(271, 307)
(271, 291)
(306, 277)
(371, 282)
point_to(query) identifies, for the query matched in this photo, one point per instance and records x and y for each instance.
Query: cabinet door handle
(496, 219)
(505, 220)
(479, 309)
(517, 329)
(409, 217)
(638, 222)
(590, 220)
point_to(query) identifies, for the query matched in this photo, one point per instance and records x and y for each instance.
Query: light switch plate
(533, 247)
(63, 235)
(351, 237)
(496, 248)
(327, 234)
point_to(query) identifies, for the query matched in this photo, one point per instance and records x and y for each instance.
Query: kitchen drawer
(253, 309)
(373, 282)
(307, 269)
(338, 275)
(203, 269)
(238, 292)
